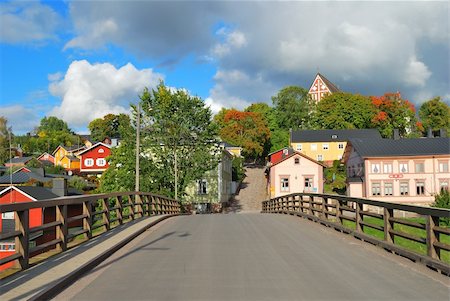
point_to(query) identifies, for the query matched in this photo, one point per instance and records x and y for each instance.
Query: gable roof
(43, 154)
(69, 149)
(17, 160)
(402, 147)
(94, 146)
(23, 177)
(302, 155)
(332, 135)
(332, 87)
(34, 192)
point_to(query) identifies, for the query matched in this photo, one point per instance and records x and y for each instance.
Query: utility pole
(138, 126)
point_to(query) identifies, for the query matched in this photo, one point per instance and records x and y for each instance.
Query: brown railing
(387, 223)
(84, 214)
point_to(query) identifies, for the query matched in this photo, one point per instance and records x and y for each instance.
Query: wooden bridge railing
(84, 214)
(348, 215)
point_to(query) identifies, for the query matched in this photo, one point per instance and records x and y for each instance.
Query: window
(284, 184)
(443, 166)
(313, 147)
(297, 160)
(404, 188)
(387, 167)
(299, 147)
(403, 167)
(101, 150)
(89, 162)
(325, 146)
(420, 167)
(100, 162)
(319, 157)
(309, 184)
(388, 190)
(420, 188)
(341, 145)
(375, 168)
(376, 189)
(202, 187)
(443, 185)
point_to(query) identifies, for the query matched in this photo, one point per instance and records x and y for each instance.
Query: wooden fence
(348, 214)
(93, 212)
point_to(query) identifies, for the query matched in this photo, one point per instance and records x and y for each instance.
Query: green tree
(343, 111)
(442, 200)
(108, 126)
(4, 140)
(52, 124)
(292, 108)
(435, 114)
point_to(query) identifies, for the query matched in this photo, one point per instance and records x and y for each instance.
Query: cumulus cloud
(364, 47)
(22, 22)
(90, 91)
(20, 118)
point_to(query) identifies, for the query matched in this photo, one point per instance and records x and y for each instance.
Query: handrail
(332, 210)
(87, 212)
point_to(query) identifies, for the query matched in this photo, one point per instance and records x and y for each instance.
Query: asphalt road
(255, 257)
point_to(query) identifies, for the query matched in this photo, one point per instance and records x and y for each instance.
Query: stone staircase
(253, 191)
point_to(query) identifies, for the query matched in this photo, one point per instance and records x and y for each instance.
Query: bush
(442, 200)
(77, 183)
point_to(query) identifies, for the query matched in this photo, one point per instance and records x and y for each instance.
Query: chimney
(114, 142)
(430, 133)
(59, 186)
(442, 133)
(396, 134)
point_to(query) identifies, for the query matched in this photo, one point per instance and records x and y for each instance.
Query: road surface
(255, 257)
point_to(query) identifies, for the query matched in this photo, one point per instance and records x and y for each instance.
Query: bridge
(140, 246)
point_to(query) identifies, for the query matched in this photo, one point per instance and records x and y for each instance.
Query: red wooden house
(38, 216)
(93, 159)
(46, 157)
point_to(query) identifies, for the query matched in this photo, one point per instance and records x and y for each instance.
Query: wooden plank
(10, 258)
(45, 226)
(46, 245)
(22, 242)
(442, 246)
(388, 225)
(11, 234)
(407, 223)
(432, 239)
(409, 236)
(442, 230)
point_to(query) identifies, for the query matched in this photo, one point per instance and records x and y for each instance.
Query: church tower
(320, 87)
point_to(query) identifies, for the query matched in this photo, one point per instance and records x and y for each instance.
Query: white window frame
(314, 147)
(299, 147)
(89, 162)
(388, 188)
(284, 184)
(325, 146)
(387, 168)
(100, 162)
(319, 157)
(403, 191)
(443, 166)
(420, 187)
(403, 167)
(341, 145)
(202, 187)
(375, 167)
(416, 164)
(101, 150)
(376, 188)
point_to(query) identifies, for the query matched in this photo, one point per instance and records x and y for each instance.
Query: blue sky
(79, 60)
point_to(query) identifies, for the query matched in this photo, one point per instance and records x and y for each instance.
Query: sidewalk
(65, 267)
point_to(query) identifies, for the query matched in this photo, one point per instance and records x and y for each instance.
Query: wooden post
(138, 204)
(338, 212)
(359, 217)
(87, 221)
(22, 219)
(119, 210)
(310, 206)
(324, 208)
(152, 205)
(131, 207)
(62, 229)
(388, 225)
(105, 214)
(432, 251)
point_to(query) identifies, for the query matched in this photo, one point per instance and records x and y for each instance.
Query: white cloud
(233, 40)
(416, 73)
(22, 22)
(20, 118)
(90, 91)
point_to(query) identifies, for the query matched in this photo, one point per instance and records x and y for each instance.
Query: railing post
(432, 237)
(62, 229)
(310, 205)
(358, 217)
(138, 205)
(119, 209)
(388, 225)
(22, 242)
(87, 221)
(106, 214)
(152, 205)
(324, 208)
(338, 212)
(131, 206)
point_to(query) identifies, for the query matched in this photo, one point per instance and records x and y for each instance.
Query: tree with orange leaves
(248, 130)
(394, 112)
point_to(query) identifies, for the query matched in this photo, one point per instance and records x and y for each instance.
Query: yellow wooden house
(67, 156)
(327, 145)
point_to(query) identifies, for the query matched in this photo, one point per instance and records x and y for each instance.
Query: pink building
(402, 171)
(295, 173)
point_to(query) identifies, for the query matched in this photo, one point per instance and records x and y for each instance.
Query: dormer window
(101, 150)
(333, 136)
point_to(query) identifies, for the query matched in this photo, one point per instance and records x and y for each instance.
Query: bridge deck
(255, 257)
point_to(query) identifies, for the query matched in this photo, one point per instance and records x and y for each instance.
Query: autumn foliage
(246, 129)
